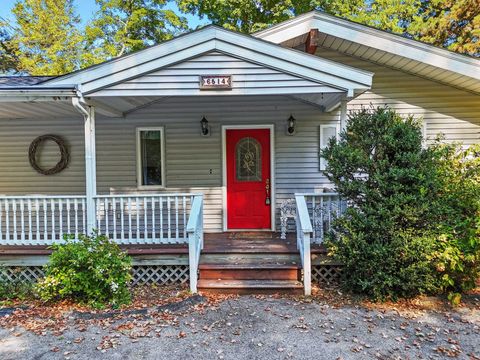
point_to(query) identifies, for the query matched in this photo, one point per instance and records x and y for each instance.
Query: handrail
(304, 230)
(134, 195)
(195, 239)
(39, 196)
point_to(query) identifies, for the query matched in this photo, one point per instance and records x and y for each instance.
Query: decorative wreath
(64, 154)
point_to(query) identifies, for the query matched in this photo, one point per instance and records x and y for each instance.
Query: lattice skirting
(160, 274)
(326, 274)
(21, 274)
(142, 274)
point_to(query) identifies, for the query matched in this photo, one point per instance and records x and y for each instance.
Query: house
(198, 149)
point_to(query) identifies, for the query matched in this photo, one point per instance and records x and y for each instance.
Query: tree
(451, 24)
(45, 39)
(123, 26)
(447, 23)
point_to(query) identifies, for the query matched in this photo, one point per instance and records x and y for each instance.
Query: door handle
(267, 191)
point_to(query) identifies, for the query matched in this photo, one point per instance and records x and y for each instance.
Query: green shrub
(458, 207)
(93, 270)
(386, 240)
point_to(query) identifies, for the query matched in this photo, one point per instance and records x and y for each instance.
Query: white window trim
(322, 162)
(139, 158)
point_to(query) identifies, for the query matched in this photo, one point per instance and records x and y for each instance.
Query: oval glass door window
(248, 156)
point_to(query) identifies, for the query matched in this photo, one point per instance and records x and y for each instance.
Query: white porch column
(343, 114)
(90, 168)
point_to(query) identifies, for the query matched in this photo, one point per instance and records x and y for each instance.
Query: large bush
(93, 270)
(386, 240)
(458, 207)
(413, 225)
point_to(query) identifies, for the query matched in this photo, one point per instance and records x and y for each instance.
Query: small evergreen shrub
(386, 239)
(92, 270)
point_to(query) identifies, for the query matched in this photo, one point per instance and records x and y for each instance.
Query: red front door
(248, 179)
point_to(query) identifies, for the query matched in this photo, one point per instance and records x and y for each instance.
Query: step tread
(249, 266)
(249, 284)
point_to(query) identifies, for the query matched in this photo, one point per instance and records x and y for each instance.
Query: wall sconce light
(291, 122)
(205, 127)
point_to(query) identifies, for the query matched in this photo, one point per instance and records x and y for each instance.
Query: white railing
(40, 220)
(323, 209)
(304, 231)
(195, 239)
(144, 219)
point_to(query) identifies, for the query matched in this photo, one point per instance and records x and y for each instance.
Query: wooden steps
(250, 263)
(243, 287)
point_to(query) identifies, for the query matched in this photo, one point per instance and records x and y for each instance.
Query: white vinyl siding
(247, 78)
(446, 111)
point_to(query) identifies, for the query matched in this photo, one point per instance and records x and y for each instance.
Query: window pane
(248, 160)
(151, 157)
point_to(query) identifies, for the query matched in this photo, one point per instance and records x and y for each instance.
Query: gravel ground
(258, 328)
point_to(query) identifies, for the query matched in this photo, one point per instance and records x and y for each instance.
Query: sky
(86, 9)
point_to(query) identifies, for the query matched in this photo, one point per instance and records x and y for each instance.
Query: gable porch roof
(379, 46)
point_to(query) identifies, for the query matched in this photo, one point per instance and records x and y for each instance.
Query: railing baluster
(122, 220)
(130, 219)
(7, 221)
(37, 217)
(184, 205)
(75, 218)
(176, 219)
(154, 232)
(137, 223)
(14, 208)
(160, 207)
(105, 212)
(114, 218)
(84, 217)
(60, 218)
(169, 229)
(45, 222)
(97, 215)
(68, 217)
(145, 219)
(52, 209)
(22, 220)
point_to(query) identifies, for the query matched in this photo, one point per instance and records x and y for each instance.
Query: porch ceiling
(122, 106)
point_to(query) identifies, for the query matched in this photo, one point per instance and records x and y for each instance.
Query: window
(150, 157)
(249, 160)
(327, 132)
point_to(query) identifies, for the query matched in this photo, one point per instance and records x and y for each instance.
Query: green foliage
(413, 225)
(386, 240)
(45, 39)
(458, 204)
(448, 23)
(120, 27)
(93, 270)
(454, 24)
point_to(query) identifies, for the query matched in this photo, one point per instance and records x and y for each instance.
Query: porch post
(343, 114)
(90, 168)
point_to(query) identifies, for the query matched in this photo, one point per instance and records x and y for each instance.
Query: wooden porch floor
(214, 243)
